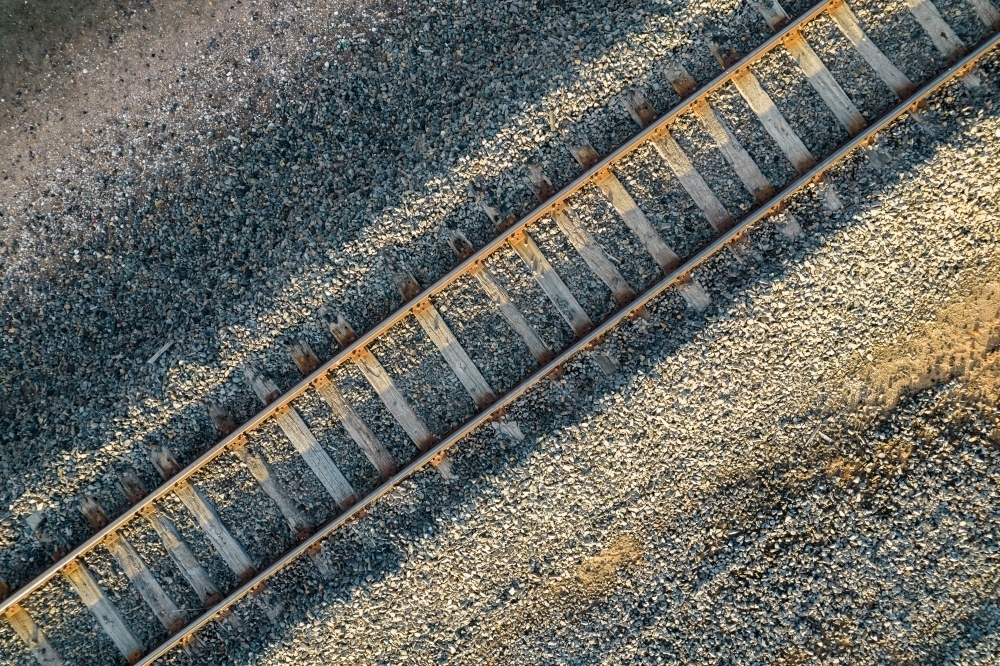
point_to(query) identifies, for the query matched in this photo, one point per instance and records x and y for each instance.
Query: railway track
(429, 448)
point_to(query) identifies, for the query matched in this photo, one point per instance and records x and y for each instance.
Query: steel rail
(399, 314)
(775, 204)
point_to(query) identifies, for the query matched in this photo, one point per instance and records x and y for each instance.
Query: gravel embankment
(640, 514)
(727, 496)
(263, 212)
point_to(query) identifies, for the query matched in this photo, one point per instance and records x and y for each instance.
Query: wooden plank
(540, 184)
(135, 569)
(130, 485)
(502, 222)
(822, 81)
(366, 440)
(505, 305)
(451, 349)
(693, 182)
(176, 547)
(163, 460)
(541, 351)
(316, 458)
(223, 422)
(639, 108)
(635, 219)
(550, 282)
(679, 78)
(593, 254)
(576, 232)
(541, 270)
(145, 583)
(583, 152)
(182, 555)
(770, 117)
(849, 25)
(211, 524)
(942, 36)
(391, 396)
(261, 471)
(206, 515)
(32, 635)
(695, 295)
(454, 354)
(734, 153)
(816, 72)
(106, 613)
(305, 443)
(773, 13)
(987, 13)
(386, 389)
(643, 113)
(94, 513)
(374, 450)
(393, 399)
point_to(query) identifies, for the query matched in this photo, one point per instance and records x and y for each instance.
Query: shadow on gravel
(44, 37)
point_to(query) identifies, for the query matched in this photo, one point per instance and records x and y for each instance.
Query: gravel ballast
(738, 491)
(637, 517)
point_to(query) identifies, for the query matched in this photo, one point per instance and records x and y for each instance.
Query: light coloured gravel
(622, 513)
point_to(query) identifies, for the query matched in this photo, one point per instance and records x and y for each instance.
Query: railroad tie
(434, 325)
(260, 470)
(384, 386)
(178, 549)
(576, 232)
(205, 514)
(943, 37)
(847, 21)
(390, 395)
(135, 569)
(692, 181)
(815, 70)
(542, 271)
(760, 102)
(732, 150)
(501, 299)
(987, 13)
(623, 203)
(307, 362)
(109, 618)
(208, 519)
(32, 635)
(298, 433)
